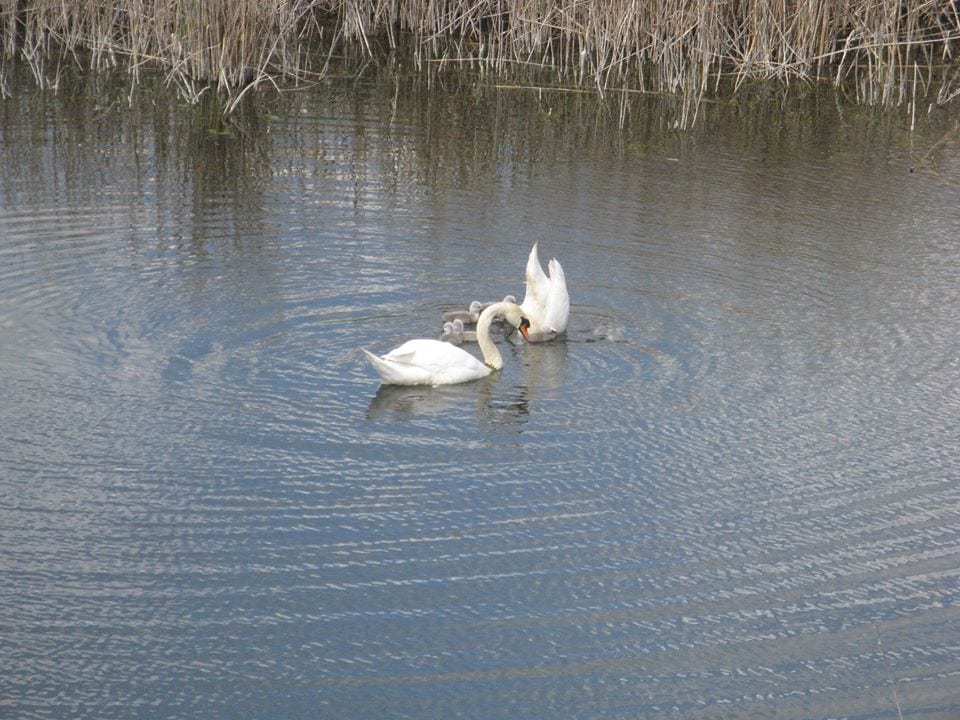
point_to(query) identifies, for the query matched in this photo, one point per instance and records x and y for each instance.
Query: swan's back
(427, 362)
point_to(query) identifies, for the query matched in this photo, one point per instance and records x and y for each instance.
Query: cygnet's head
(476, 306)
(450, 334)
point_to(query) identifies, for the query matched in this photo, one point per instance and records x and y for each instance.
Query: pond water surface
(731, 491)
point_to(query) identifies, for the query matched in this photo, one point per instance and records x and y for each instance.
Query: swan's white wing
(557, 311)
(535, 297)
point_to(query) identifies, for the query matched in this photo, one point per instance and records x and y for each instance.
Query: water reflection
(544, 367)
(397, 401)
(709, 499)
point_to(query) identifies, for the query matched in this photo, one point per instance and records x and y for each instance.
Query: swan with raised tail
(546, 303)
(434, 362)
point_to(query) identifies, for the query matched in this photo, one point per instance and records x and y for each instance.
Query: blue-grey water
(730, 492)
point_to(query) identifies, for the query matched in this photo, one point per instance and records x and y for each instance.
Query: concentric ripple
(730, 490)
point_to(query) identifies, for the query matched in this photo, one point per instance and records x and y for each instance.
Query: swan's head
(524, 328)
(512, 313)
(476, 307)
(456, 326)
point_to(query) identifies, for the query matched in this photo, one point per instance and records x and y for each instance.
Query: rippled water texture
(730, 492)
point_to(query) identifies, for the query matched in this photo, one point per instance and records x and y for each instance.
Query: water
(731, 491)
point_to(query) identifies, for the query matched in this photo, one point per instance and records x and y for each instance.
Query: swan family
(542, 316)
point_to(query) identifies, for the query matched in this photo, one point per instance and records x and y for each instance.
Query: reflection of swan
(546, 303)
(432, 362)
(453, 332)
(545, 369)
(470, 316)
(405, 400)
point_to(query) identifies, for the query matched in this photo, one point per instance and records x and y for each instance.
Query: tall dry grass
(886, 51)
(228, 46)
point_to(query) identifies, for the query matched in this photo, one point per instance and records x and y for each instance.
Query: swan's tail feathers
(535, 278)
(534, 270)
(385, 369)
(375, 360)
(557, 313)
(556, 271)
(398, 368)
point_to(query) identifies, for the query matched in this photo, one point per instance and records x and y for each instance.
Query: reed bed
(227, 46)
(887, 52)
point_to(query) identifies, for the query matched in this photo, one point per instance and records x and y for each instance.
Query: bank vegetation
(883, 52)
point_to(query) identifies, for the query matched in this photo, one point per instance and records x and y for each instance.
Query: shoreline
(885, 55)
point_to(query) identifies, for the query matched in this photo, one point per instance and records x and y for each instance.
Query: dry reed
(887, 52)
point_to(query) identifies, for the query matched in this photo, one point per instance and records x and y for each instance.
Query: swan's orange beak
(525, 328)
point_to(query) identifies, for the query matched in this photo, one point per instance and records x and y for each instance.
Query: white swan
(470, 316)
(546, 303)
(433, 362)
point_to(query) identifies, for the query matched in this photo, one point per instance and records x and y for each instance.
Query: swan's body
(546, 303)
(467, 317)
(434, 362)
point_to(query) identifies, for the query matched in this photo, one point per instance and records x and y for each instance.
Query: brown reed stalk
(226, 45)
(889, 51)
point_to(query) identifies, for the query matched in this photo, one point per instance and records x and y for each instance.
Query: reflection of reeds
(888, 51)
(229, 45)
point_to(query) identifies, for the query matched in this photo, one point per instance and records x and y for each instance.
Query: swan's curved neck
(491, 355)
